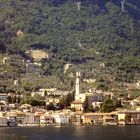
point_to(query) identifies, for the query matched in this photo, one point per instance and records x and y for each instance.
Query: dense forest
(82, 32)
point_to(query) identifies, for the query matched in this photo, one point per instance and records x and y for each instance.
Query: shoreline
(57, 126)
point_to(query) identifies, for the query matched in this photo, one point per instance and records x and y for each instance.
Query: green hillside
(85, 34)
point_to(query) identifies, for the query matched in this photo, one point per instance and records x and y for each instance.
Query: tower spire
(77, 86)
(78, 6)
(122, 3)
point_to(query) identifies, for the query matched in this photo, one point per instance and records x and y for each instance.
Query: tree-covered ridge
(86, 32)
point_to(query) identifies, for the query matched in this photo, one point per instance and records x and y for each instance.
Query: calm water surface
(72, 133)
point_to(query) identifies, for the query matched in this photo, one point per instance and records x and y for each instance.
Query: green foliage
(108, 105)
(51, 107)
(9, 99)
(117, 103)
(13, 99)
(102, 84)
(51, 28)
(99, 32)
(28, 87)
(2, 47)
(66, 100)
(34, 102)
(86, 106)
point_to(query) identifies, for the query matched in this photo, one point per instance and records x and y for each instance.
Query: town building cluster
(27, 115)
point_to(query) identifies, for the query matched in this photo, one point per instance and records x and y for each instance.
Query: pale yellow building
(20, 33)
(39, 54)
(53, 100)
(96, 118)
(129, 117)
(77, 105)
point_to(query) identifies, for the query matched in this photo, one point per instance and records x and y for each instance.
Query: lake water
(72, 133)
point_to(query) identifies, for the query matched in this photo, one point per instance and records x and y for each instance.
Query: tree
(50, 106)
(9, 99)
(2, 47)
(86, 106)
(117, 103)
(34, 102)
(66, 100)
(108, 106)
(28, 86)
(14, 99)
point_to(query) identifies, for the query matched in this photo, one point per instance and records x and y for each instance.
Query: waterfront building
(46, 119)
(29, 119)
(61, 118)
(36, 120)
(3, 121)
(12, 118)
(129, 117)
(97, 118)
(20, 118)
(110, 120)
(89, 118)
(75, 118)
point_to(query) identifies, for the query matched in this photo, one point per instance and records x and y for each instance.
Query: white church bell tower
(77, 87)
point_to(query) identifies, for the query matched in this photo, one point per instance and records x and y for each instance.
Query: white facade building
(29, 119)
(61, 118)
(97, 104)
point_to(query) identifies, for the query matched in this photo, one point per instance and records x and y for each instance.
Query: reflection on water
(72, 133)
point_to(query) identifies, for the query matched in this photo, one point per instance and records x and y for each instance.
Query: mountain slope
(75, 32)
